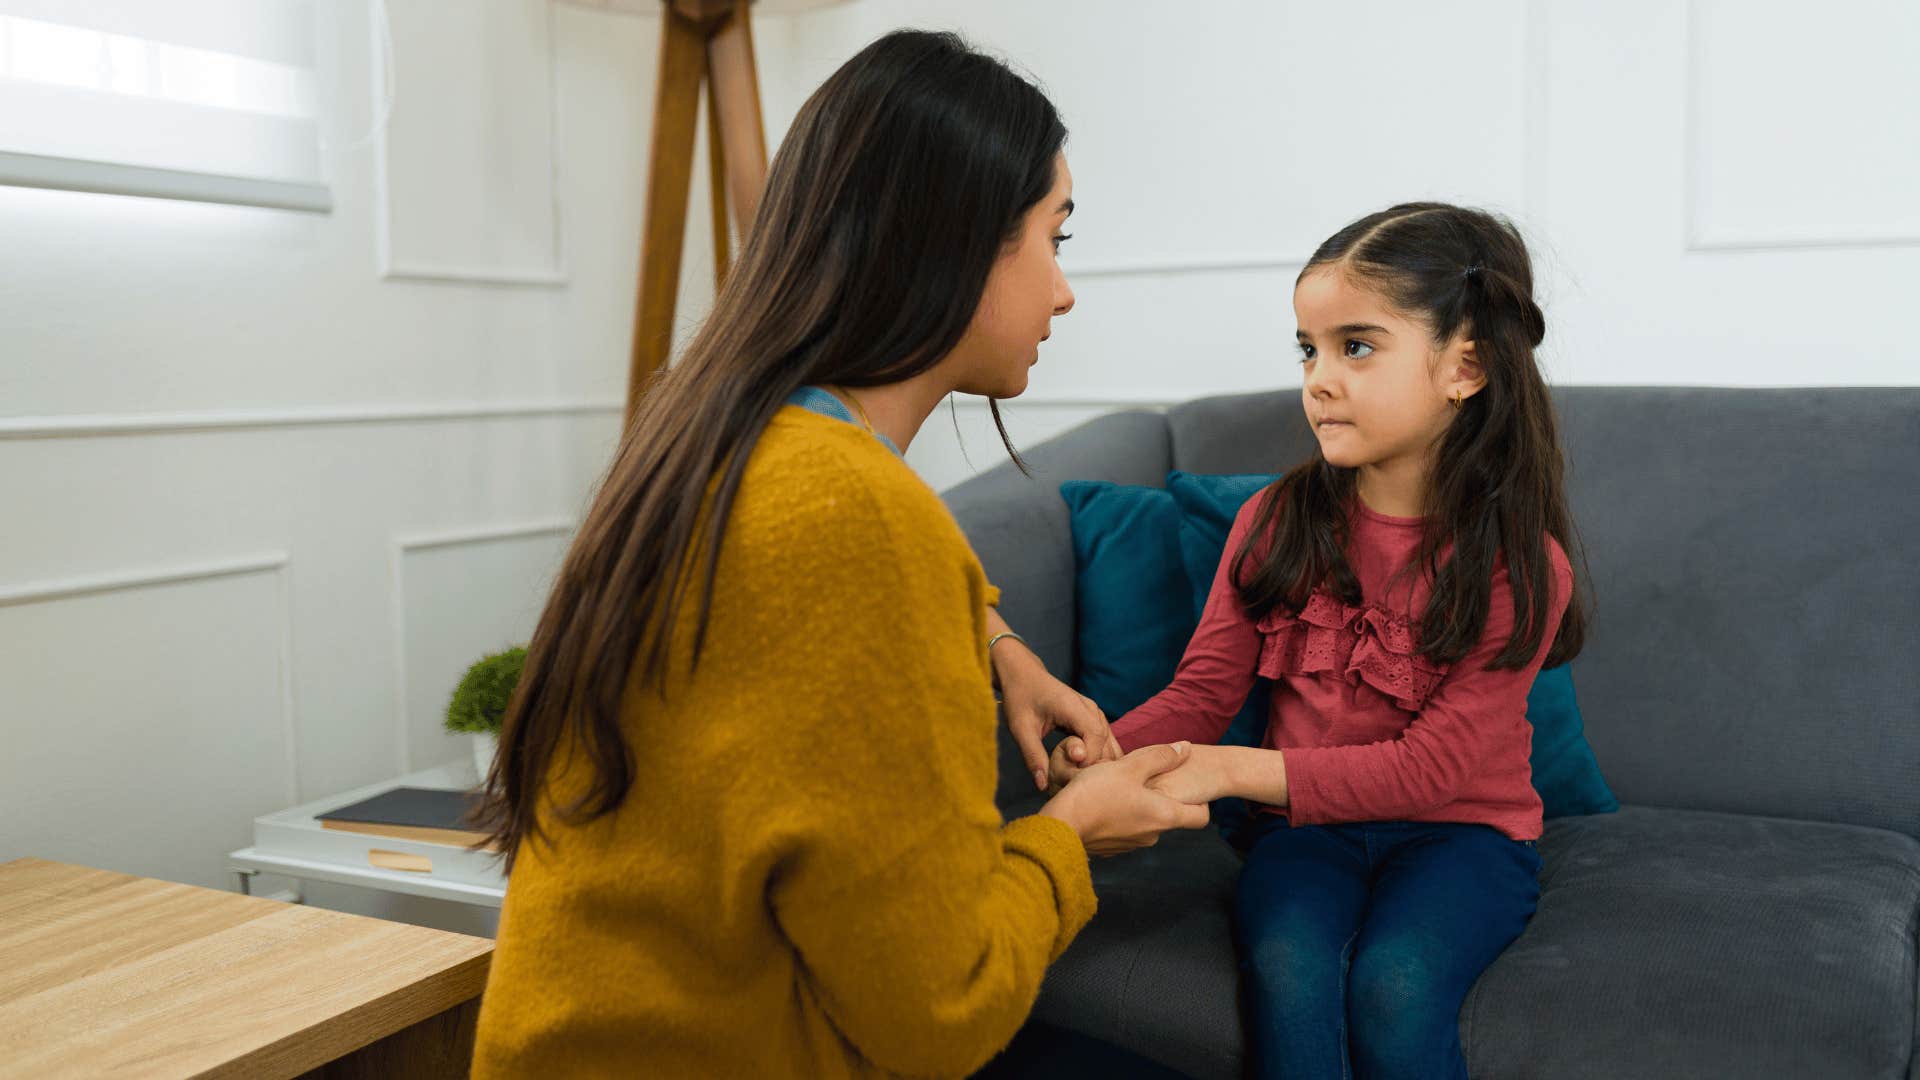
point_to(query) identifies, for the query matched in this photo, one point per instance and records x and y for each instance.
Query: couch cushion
(1757, 596)
(1687, 943)
(1155, 972)
(1240, 433)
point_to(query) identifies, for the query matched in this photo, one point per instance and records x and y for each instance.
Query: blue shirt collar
(816, 399)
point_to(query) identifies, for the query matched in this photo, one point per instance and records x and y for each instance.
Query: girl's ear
(1468, 376)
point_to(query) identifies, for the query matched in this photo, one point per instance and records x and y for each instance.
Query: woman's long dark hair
(1497, 480)
(895, 191)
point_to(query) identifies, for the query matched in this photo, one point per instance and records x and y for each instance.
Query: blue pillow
(1565, 772)
(1130, 584)
(1208, 505)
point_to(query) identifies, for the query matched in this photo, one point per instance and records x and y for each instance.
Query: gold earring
(1456, 402)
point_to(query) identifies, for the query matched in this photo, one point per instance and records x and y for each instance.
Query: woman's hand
(1037, 703)
(1114, 808)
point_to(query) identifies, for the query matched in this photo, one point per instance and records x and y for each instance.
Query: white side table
(294, 843)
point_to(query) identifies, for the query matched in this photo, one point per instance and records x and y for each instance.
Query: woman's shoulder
(826, 508)
(820, 474)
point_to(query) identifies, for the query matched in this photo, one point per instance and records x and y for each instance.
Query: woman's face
(1374, 386)
(1024, 292)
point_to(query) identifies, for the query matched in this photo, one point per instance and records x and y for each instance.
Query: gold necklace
(861, 409)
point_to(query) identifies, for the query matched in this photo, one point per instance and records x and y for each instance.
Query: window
(212, 100)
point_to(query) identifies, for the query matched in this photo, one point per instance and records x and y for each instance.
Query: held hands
(1201, 775)
(1071, 756)
(1111, 805)
(1115, 807)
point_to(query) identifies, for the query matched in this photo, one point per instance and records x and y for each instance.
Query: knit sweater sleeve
(923, 924)
(1444, 746)
(1216, 672)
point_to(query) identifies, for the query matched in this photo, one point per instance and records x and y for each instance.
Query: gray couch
(1751, 686)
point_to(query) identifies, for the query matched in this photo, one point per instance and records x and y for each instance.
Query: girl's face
(1374, 385)
(1024, 292)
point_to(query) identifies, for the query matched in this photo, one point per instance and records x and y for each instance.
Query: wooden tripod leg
(676, 109)
(736, 96)
(717, 186)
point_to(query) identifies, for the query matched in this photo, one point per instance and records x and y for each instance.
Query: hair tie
(1471, 270)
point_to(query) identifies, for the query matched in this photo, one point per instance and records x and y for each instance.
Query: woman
(746, 785)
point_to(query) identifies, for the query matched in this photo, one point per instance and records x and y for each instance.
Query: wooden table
(105, 974)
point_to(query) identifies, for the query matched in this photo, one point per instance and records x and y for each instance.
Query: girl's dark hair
(895, 191)
(1497, 479)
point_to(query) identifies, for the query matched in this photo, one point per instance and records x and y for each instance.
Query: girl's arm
(1217, 772)
(1217, 671)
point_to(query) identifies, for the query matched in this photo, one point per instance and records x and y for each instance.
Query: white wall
(262, 500)
(1703, 209)
(271, 480)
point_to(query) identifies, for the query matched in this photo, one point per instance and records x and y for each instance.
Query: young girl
(1402, 588)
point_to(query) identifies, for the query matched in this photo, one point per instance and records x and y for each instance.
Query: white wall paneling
(457, 596)
(465, 168)
(1184, 264)
(149, 715)
(1209, 143)
(182, 381)
(1821, 151)
(369, 626)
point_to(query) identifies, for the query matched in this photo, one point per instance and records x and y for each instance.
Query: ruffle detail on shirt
(1360, 643)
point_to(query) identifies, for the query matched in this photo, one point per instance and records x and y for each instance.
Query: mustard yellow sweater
(809, 877)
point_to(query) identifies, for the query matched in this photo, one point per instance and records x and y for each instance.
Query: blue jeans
(1358, 943)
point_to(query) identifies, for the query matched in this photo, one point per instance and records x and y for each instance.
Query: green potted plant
(479, 704)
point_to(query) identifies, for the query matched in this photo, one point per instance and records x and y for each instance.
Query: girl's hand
(1113, 807)
(1037, 703)
(1069, 760)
